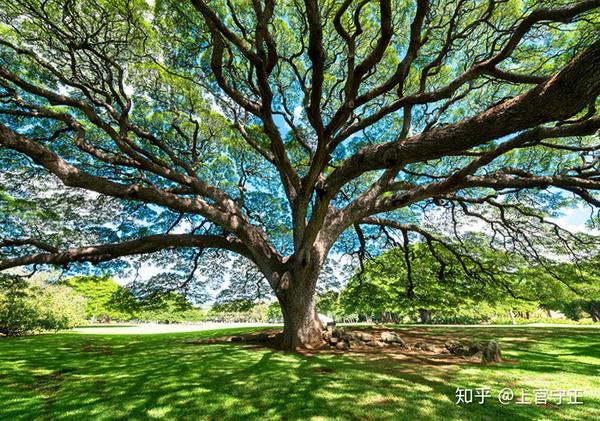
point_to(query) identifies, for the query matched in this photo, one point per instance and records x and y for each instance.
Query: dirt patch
(419, 347)
(263, 336)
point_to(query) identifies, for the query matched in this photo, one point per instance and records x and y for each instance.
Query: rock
(376, 344)
(342, 346)
(423, 346)
(333, 340)
(355, 336)
(387, 336)
(327, 335)
(491, 353)
(463, 351)
(452, 344)
(476, 347)
(352, 336)
(235, 339)
(476, 351)
(477, 357)
(356, 344)
(259, 337)
(338, 333)
(391, 337)
(367, 337)
(457, 348)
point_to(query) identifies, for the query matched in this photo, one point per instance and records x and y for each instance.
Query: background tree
(243, 311)
(274, 129)
(385, 291)
(104, 297)
(169, 307)
(580, 296)
(328, 304)
(27, 307)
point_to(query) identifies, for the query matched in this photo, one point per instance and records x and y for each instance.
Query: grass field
(109, 377)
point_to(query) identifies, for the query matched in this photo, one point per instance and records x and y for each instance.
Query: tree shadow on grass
(162, 377)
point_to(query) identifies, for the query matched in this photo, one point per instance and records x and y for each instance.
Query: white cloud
(574, 220)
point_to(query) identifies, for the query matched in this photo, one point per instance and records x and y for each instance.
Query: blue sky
(574, 219)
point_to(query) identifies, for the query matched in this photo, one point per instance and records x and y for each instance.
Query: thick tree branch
(74, 177)
(149, 244)
(19, 242)
(485, 67)
(374, 199)
(561, 97)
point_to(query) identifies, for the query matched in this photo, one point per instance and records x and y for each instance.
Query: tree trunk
(425, 315)
(302, 328)
(595, 311)
(512, 316)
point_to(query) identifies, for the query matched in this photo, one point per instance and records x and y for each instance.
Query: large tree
(273, 129)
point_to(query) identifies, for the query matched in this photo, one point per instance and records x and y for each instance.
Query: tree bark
(425, 315)
(512, 316)
(595, 311)
(302, 328)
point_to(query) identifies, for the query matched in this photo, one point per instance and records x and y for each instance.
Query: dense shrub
(34, 305)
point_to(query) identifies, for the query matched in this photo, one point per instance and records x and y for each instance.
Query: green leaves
(104, 297)
(28, 306)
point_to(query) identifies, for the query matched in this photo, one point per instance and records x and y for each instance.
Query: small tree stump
(491, 353)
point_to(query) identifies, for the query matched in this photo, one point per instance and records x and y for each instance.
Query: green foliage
(236, 305)
(17, 314)
(31, 306)
(456, 292)
(384, 285)
(328, 304)
(168, 308)
(245, 311)
(108, 300)
(460, 294)
(274, 313)
(104, 297)
(576, 295)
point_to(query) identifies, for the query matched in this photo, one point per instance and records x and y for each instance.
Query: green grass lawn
(108, 377)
